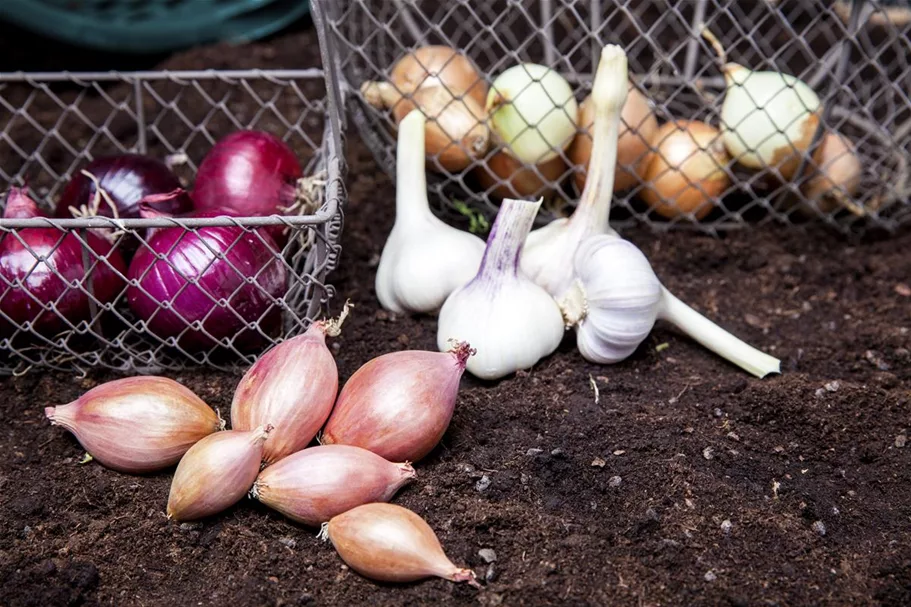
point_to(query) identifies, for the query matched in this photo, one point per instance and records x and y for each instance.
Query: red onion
(251, 172)
(126, 179)
(137, 424)
(313, 485)
(220, 278)
(292, 387)
(389, 543)
(60, 279)
(216, 473)
(399, 405)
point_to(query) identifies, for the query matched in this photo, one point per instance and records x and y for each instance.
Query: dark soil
(687, 482)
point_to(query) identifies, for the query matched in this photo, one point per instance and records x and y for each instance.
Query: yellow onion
(533, 111)
(503, 176)
(437, 65)
(313, 485)
(291, 387)
(834, 175)
(388, 543)
(637, 127)
(768, 118)
(216, 473)
(399, 405)
(686, 173)
(450, 92)
(137, 424)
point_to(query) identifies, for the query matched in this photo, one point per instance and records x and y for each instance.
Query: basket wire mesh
(854, 54)
(52, 124)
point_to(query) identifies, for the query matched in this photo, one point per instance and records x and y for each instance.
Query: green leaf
(477, 222)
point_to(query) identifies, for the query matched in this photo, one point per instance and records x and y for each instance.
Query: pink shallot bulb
(313, 485)
(137, 424)
(399, 405)
(389, 543)
(292, 387)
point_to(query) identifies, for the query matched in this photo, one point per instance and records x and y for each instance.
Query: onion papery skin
(505, 177)
(38, 267)
(216, 473)
(127, 179)
(251, 173)
(638, 126)
(438, 65)
(292, 387)
(316, 484)
(398, 405)
(686, 174)
(191, 256)
(389, 543)
(137, 425)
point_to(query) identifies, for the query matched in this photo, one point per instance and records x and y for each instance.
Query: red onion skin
(251, 172)
(398, 405)
(39, 280)
(292, 387)
(191, 253)
(137, 425)
(127, 178)
(316, 484)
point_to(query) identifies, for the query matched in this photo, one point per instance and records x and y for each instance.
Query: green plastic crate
(150, 26)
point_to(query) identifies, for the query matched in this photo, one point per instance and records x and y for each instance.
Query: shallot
(399, 405)
(137, 424)
(216, 473)
(316, 484)
(388, 543)
(292, 387)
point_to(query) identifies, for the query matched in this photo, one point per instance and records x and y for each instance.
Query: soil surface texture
(672, 478)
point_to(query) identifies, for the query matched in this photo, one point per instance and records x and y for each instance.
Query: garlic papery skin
(313, 485)
(137, 424)
(424, 259)
(549, 251)
(617, 298)
(508, 319)
(216, 473)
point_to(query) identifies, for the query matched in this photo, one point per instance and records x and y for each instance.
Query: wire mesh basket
(83, 314)
(854, 55)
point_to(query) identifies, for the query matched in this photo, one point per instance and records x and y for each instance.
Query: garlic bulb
(424, 259)
(511, 321)
(617, 298)
(549, 251)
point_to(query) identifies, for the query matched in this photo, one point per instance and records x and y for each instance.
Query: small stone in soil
(614, 481)
(482, 484)
(190, 526)
(487, 554)
(832, 386)
(901, 440)
(710, 576)
(598, 463)
(533, 452)
(287, 542)
(491, 574)
(558, 453)
(708, 453)
(726, 526)
(819, 527)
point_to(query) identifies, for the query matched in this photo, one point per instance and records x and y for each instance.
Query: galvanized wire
(52, 124)
(855, 54)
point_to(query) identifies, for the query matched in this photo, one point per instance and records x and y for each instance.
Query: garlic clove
(389, 543)
(216, 473)
(137, 424)
(316, 484)
(424, 259)
(511, 321)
